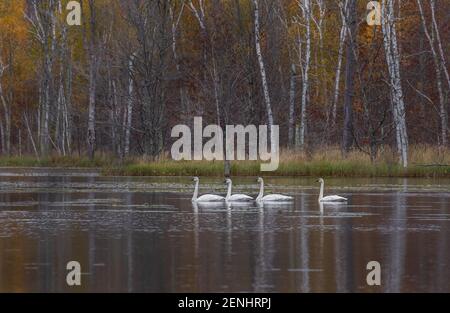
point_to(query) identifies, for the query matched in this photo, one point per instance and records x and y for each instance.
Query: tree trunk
(129, 107)
(306, 66)
(91, 136)
(91, 112)
(437, 66)
(342, 39)
(262, 71)
(347, 139)
(291, 129)
(67, 106)
(45, 105)
(393, 62)
(439, 42)
(6, 129)
(175, 25)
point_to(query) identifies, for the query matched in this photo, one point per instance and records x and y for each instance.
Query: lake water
(144, 235)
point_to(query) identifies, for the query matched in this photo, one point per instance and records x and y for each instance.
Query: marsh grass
(425, 161)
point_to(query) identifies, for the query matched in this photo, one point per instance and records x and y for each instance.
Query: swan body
(333, 198)
(272, 197)
(205, 198)
(210, 198)
(238, 197)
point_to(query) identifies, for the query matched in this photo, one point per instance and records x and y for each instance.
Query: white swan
(272, 197)
(333, 198)
(205, 198)
(236, 197)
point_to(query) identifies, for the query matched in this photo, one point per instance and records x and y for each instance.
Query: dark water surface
(144, 235)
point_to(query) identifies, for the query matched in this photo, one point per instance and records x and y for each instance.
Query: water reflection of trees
(301, 247)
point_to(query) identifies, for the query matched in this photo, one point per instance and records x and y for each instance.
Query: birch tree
(262, 71)
(439, 41)
(291, 47)
(130, 104)
(93, 70)
(41, 15)
(63, 88)
(6, 128)
(438, 69)
(342, 40)
(291, 121)
(305, 7)
(176, 19)
(136, 68)
(319, 21)
(350, 65)
(393, 63)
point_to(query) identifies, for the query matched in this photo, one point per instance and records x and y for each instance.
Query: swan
(204, 198)
(236, 197)
(273, 197)
(333, 198)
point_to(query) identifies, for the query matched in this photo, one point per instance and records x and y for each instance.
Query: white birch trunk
(46, 36)
(262, 71)
(292, 106)
(67, 107)
(306, 7)
(342, 39)
(393, 62)
(113, 113)
(6, 129)
(129, 107)
(30, 136)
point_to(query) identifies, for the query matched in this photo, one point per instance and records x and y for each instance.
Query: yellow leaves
(14, 44)
(12, 21)
(369, 33)
(10, 26)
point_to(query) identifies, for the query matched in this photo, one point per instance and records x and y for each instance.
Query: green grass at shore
(425, 161)
(292, 168)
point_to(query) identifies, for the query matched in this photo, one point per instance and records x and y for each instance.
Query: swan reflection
(267, 205)
(208, 206)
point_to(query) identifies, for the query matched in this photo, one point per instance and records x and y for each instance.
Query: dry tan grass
(418, 155)
(424, 161)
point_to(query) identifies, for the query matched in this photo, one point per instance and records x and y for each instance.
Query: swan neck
(228, 191)
(261, 190)
(321, 191)
(194, 197)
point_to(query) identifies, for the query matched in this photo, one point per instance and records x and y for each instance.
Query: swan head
(227, 181)
(195, 179)
(320, 180)
(259, 180)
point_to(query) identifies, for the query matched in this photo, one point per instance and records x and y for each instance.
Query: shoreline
(338, 168)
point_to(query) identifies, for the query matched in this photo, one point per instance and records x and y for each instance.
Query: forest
(117, 83)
